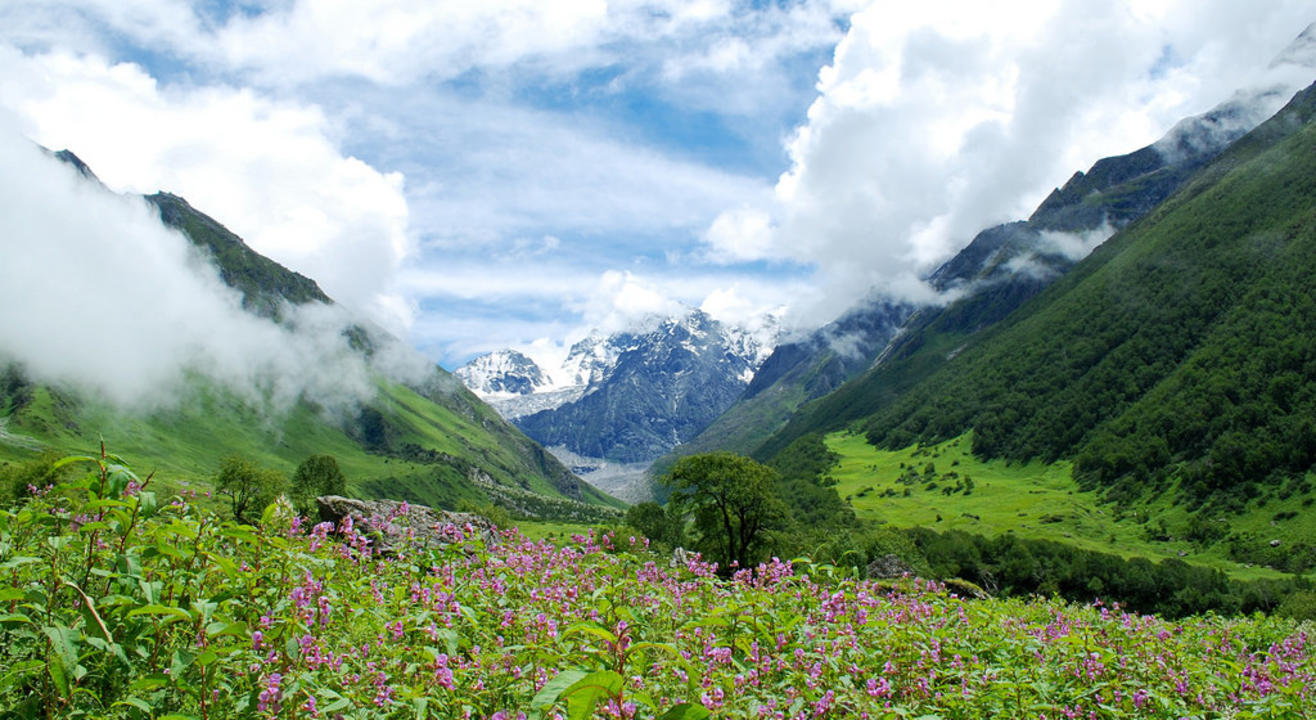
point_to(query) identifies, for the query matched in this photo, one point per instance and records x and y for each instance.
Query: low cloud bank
(96, 294)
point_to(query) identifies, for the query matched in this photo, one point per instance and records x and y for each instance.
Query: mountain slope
(427, 439)
(1004, 266)
(664, 386)
(796, 372)
(1181, 350)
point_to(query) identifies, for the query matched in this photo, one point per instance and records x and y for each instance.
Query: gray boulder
(394, 524)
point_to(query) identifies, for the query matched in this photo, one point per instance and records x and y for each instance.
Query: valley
(797, 374)
(1041, 501)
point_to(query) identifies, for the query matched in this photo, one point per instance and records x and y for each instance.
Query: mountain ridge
(443, 436)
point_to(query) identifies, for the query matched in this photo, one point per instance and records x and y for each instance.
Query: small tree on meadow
(733, 503)
(249, 487)
(317, 475)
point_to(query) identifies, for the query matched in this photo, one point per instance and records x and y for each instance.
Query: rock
(966, 589)
(680, 557)
(1274, 543)
(397, 522)
(888, 566)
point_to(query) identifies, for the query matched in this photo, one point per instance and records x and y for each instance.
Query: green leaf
(147, 503)
(8, 594)
(74, 459)
(58, 674)
(686, 711)
(138, 703)
(553, 689)
(590, 627)
(165, 610)
(64, 642)
(149, 683)
(14, 562)
(219, 629)
(179, 663)
(583, 696)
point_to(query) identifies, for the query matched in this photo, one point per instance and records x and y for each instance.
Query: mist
(98, 296)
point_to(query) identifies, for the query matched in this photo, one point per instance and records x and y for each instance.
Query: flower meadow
(115, 605)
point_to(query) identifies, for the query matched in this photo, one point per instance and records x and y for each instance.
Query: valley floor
(929, 487)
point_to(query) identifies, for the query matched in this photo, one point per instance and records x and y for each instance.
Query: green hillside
(946, 488)
(432, 455)
(1114, 192)
(431, 442)
(1179, 357)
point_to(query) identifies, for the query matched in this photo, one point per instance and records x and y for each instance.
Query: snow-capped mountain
(502, 373)
(650, 389)
(516, 385)
(627, 397)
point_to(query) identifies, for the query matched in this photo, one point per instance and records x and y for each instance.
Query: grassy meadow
(1034, 500)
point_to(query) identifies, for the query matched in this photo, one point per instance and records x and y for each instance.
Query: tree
(732, 501)
(317, 475)
(16, 480)
(649, 518)
(249, 487)
(664, 526)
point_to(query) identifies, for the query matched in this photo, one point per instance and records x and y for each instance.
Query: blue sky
(517, 172)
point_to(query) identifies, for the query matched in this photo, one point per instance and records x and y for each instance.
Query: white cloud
(484, 173)
(96, 294)
(740, 234)
(269, 170)
(936, 120)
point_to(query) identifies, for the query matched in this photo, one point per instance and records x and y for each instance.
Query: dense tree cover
(661, 525)
(1183, 347)
(805, 488)
(1012, 566)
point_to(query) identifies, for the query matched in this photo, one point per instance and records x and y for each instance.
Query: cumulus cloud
(936, 120)
(269, 170)
(98, 295)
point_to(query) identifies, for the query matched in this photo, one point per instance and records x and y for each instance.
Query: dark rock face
(399, 523)
(834, 353)
(665, 387)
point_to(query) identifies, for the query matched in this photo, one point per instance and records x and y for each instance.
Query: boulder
(396, 523)
(888, 566)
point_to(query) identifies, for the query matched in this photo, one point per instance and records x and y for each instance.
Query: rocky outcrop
(888, 566)
(395, 524)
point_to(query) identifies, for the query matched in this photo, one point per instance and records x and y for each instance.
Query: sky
(514, 173)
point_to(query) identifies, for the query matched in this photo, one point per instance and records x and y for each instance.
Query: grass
(550, 530)
(187, 443)
(1032, 500)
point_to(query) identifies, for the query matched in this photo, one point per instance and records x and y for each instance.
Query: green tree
(733, 504)
(649, 518)
(248, 486)
(317, 475)
(17, 478)
(662, 525)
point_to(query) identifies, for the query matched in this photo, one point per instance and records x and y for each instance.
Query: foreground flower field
(112, 605)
